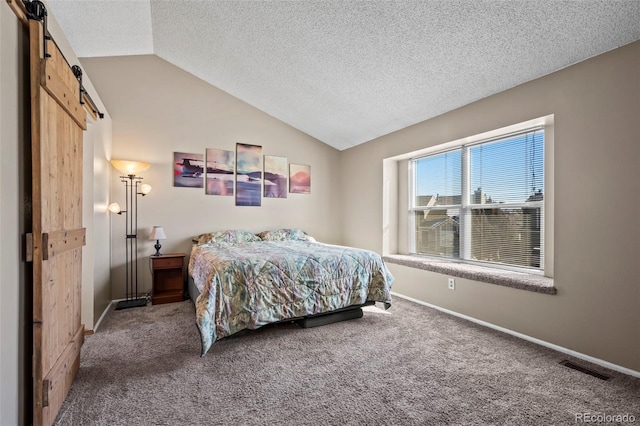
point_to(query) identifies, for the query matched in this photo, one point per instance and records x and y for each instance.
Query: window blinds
(483, 202)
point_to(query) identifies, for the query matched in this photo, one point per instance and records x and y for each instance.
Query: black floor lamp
(133, 187)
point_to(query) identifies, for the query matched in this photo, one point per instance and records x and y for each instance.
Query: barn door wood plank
(61, 375)
(57, 242)
(35, 34)
(58, 121)
(63, 94)
(18, 8)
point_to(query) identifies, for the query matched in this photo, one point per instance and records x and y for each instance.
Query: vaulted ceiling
(346, 72)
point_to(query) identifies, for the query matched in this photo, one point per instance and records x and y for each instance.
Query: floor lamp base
(132, 303)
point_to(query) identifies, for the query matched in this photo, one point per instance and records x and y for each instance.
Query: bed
(240, 280)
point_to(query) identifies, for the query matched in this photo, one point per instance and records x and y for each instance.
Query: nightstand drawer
(167, 262)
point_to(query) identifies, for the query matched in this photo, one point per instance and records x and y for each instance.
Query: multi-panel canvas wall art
(188, 170)
(299, 179)
(275, 176)
(248, 175)
(220, 170)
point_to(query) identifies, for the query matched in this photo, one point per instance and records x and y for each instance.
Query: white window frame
(545, 124)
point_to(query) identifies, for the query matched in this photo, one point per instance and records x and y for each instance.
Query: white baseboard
(573, 353)
(95, 327)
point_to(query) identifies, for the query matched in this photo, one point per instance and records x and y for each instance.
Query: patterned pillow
(232, 236)
(284, 234)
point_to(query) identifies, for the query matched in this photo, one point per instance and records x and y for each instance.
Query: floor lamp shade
(130, 167)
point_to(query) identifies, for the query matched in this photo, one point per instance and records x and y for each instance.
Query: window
(482, 202)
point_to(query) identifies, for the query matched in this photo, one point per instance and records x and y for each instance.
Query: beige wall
(96, 269)
(157, 109)
(596, 106)
(14, 349)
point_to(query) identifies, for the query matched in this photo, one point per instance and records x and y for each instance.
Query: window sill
(518, 280)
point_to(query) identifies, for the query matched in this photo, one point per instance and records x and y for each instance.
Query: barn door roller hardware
(84, 95)
(77, 71)
(38, 12)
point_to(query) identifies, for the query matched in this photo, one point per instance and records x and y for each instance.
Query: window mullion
(412, 204)
(465, 214)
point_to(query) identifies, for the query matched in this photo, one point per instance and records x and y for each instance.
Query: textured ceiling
(346, 72)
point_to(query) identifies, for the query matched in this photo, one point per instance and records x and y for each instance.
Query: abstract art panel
(299, 179)
(188, 170)
(248, 175)
(275, 176)
(220, 170)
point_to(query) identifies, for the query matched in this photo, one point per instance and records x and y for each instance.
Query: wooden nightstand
(167, 273)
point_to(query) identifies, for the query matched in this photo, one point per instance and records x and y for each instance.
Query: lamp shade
(114, 208)
(130, 167)
(145, 188)
(157, 233)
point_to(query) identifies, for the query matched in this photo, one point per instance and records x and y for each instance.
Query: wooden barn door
(57, 123)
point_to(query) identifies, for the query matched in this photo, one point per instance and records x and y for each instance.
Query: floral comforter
(250, 284)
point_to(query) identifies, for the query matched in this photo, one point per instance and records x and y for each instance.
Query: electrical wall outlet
(452, 284)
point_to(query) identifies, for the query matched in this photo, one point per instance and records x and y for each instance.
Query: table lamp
(157, 233)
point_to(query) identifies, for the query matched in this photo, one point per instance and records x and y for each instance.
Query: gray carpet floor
(410, 365)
